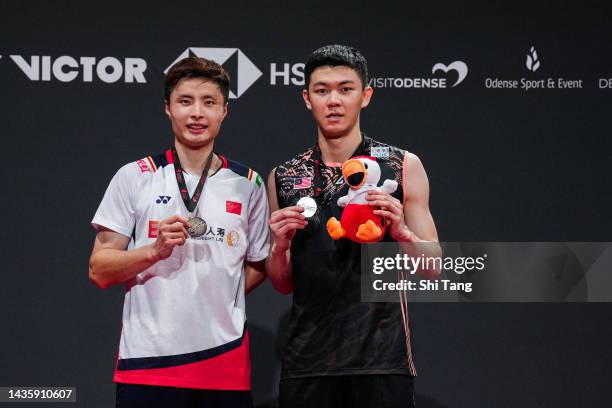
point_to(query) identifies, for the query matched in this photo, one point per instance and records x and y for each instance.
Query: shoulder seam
(289, 162)
(244, 171)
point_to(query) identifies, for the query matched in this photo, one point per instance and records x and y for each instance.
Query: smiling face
(196, 108)
(335, 95)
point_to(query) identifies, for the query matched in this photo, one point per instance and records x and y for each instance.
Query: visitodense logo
(416, 82)
(243, 73)
(459, 66)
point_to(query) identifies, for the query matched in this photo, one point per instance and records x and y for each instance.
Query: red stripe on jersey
(224, 160)
(228, 371)
(169, 156)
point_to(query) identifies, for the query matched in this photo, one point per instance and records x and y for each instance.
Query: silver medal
(309, 205)
(198, 227)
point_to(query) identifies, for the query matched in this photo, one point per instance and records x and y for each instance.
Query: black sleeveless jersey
(330, 331)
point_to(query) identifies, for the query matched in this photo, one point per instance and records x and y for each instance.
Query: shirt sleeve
(116, 211)
(259, 232)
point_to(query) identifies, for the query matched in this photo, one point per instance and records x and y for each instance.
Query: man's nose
(334, 99)
(197, 110)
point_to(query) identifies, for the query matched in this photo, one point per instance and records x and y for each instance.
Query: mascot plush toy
(358, 222)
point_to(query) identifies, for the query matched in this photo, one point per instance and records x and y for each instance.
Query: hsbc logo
(243, 73)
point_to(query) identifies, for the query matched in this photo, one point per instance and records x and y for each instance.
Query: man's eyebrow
(347, 81)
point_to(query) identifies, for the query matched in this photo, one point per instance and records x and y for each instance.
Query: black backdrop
(504, 165)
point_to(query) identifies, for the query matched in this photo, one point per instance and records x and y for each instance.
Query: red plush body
(356, 214)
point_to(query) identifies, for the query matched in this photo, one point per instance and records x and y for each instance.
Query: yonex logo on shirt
(162, 199)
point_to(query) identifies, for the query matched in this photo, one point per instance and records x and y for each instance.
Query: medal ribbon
(190, 202)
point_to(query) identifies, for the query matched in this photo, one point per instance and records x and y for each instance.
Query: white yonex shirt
(184, 321)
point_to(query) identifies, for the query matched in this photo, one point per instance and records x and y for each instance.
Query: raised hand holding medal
(198, 225)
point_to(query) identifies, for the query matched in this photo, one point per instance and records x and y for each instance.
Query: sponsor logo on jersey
(162, 199)
(380, 152)
(143, 166)
(153, 229)
(216, 234)
(233, 207)
(233, 238)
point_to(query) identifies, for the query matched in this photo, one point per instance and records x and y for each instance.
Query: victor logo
(67, 69)
(243, 73)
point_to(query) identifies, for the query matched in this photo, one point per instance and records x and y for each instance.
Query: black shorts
(351, 391)
(152, 396)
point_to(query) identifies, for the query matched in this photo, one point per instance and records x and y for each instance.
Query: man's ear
(367, 95)
(225, 109)
(306, 98)
(167, 109)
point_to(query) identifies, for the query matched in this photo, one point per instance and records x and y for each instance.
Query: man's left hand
(392, 210)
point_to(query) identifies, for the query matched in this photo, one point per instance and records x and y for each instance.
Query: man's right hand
(172, 232)
(284, 223)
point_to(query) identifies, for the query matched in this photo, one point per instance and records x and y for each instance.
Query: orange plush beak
(354, 173)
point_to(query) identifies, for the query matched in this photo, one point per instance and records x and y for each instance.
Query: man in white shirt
(186, 232)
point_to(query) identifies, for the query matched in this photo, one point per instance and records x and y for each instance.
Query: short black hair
(337, 55)
(194, 67)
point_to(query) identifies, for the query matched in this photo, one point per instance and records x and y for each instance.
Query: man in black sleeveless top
(338, 351)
